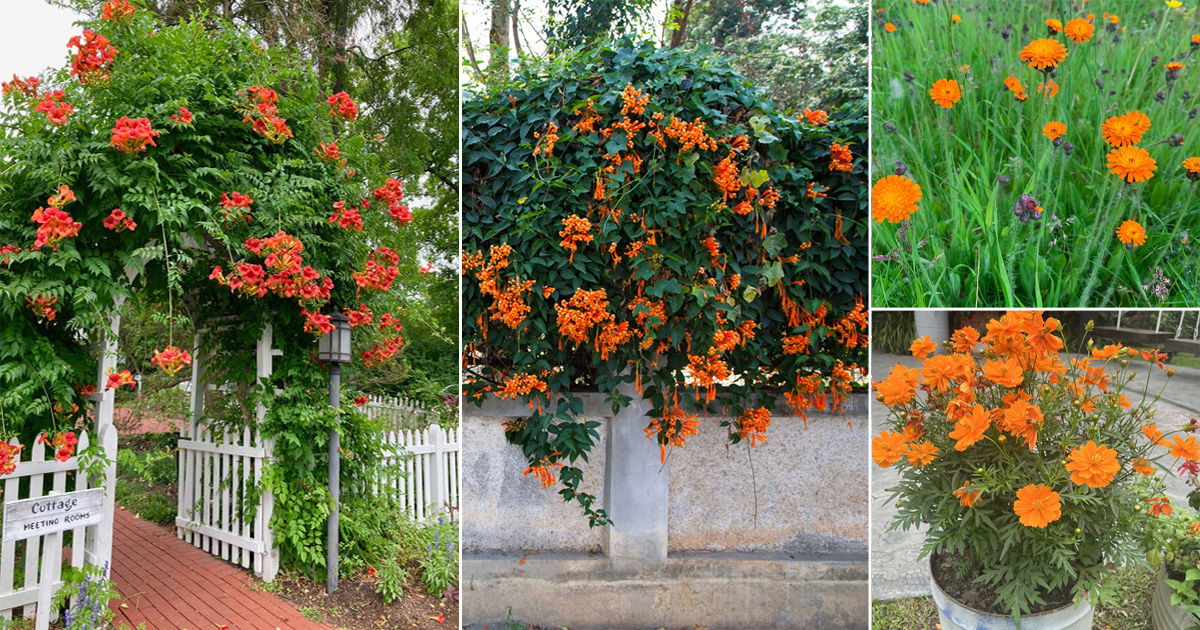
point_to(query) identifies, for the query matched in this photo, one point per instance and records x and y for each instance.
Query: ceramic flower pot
(1165, 615)
(955, 615)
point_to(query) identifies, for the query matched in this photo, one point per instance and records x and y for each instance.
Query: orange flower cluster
(545, 145)
(171, 360)
(579, 313)
(840, 158)
(54, 224)
(543, 470)
(576, 230)
(588, 118)
(1014, 85)
(725, 176)
(260, 107)
(706, 372)
(689, 135)
(520, 385)
(752, 425)
(42, 306)
(816, 116)
(673, 428)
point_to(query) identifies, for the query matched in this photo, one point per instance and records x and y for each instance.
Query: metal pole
(335, 490)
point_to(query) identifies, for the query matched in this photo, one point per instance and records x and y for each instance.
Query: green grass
(964, 246)
(1128, 610)
(146, 502)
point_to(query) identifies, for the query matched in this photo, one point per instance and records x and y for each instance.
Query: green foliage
(1174, 542)
(965, 246)
(156, 467)
(576, 23)
(148, 502)
(391, 580)
(434, 547)
(667, 205)
(172, 191)
(891, 331)
(91, 590)
(816, 58)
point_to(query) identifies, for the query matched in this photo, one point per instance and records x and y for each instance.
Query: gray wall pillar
(635, 492)
(936, 324)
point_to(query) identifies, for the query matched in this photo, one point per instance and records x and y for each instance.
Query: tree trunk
(333, 66)
(498, 36)
(680, 33)
(516, 28)
(227, 9)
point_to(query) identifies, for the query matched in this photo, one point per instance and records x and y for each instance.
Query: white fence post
(265, 361)
(99, 548)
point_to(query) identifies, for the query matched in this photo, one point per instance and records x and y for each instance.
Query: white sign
(51, 514)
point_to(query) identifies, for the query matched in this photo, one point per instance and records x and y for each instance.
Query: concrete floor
(895, 569)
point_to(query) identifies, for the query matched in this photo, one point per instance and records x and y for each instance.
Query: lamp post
(334, 350)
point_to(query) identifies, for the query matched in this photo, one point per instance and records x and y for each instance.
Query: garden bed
(356, 605)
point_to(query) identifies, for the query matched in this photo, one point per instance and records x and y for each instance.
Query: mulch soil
(356, 605)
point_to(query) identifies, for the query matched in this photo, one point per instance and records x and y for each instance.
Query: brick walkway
(168, 584)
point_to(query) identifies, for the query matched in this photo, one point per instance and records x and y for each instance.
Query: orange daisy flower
(1131, 233)
(1044, 53)
(945, 92)
(1093, 465)
(1192, 165)
(1054, 130)
(922, 347)
(1079, 30)
(1126, 129)
(889, 27)
(899, 387)
(1183, 449)
(921, 454)
(1007, 372)
(970, 429)
(968, 498)
(887, 448)
(1133, 164)
(1056, 26)
(1037, 506)
(894, 198)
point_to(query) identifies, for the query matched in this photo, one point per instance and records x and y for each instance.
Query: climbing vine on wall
(643, 215)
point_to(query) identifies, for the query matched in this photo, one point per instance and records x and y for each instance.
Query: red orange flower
(1133, 164)
(1131, 233)
(894, 198)
(945, 92)
(1037, 506)
(1044, 53)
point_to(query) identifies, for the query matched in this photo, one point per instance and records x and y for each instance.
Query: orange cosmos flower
(1152, 432)
(894, 198)
(1133, 164)
(1143, 467)
(1093, 465)
(969, 429)
(1107, 352)
(1187, 450)
(945, 92)
(899, 387)
(1079, 30)
(1126, 129)
(1007, 372)
(1043, 53)
(1131, 233)
(921, 454)
(1037, 506)
(1054, 130)
(887, 448)
(1160, 506)
(968, 498)
(964, 339)
(921, 348)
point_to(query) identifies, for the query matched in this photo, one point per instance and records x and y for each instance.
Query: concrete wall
(811, 484)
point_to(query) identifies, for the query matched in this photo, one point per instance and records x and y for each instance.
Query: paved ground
(168, 584)
(895, 569)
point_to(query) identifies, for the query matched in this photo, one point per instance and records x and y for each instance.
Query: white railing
(1180, 318)
(424, 473)
(399, 413)
(44, 475)
(220, 507)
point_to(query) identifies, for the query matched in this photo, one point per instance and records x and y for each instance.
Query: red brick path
(169, 584)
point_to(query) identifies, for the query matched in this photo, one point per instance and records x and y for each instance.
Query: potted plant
(1033, 471)
(1174, 546)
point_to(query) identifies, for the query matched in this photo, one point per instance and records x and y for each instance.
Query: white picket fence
(220, 507)
(424, 474)
(37, 476)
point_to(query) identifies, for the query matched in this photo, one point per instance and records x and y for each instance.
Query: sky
(33, 37)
